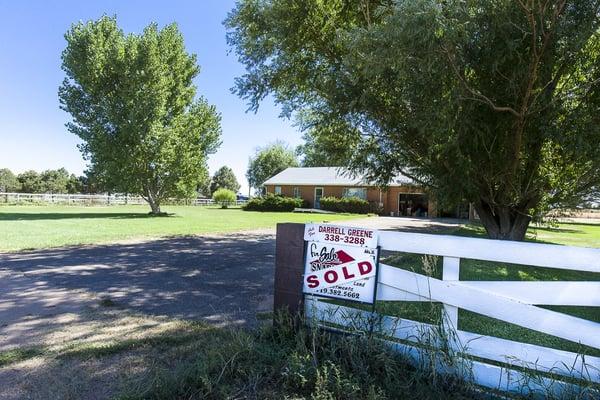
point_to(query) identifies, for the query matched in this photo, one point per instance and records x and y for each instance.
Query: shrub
(271, 202)
(352, 205)
(224, 197)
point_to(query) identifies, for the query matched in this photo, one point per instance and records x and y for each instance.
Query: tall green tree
(8, 181)
(132, 100)
(54, 180)
(74, 184)
(496, 102)
(30, 182)
(203, 188)
(268, 161)
(224, 178)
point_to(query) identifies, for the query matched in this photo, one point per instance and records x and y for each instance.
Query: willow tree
(133, 103)
(496, 102)
(328, 142)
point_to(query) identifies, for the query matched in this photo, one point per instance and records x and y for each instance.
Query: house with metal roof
(402, 197)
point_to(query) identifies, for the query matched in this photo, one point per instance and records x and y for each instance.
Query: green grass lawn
(569, 234)
(34, 227)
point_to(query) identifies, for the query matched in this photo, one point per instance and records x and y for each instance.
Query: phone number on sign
(339, 292)
(344, 239)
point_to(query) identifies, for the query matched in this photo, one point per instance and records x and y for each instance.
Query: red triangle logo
(344, 257)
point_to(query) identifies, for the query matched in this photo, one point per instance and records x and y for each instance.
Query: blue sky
(32, 131)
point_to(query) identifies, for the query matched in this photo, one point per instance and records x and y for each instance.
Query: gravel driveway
(223, 279)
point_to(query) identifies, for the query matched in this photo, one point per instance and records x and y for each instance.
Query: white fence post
(450, 272)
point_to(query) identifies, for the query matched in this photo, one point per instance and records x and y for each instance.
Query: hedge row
(271, 202)
(354, 205)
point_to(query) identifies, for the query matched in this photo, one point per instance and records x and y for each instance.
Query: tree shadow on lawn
(557, 229)
(58, 216)
(476, 230)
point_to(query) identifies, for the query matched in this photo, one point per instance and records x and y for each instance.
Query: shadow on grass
(477, 230)
(57, 216)
(16, 355)
(578, 223)
(555, 229)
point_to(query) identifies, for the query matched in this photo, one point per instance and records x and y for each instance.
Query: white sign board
(345, 235)
(340, 265)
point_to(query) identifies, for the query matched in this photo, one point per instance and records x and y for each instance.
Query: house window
(277, 189)
(361, 193)
(297, 192)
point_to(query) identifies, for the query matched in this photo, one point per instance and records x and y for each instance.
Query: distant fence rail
(96, 199)
(591, 213)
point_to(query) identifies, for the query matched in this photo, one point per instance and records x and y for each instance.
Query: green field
(35, 227)
(569, 234)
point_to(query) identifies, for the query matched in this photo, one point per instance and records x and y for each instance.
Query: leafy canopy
(8, 181)
(30, 182)
(132, 100)
(327, 142)
(268, 161)
(224, 178)
(495, 102)
(48, 181)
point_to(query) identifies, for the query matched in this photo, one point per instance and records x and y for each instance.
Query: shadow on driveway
(218, 279)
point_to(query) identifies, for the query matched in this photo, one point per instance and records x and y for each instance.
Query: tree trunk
(154, 207)
(503, 222)
(154, 202)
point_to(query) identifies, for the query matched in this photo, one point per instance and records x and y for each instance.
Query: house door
(318, 195)
(413, 205)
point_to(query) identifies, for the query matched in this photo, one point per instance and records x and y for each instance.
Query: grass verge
(188, 360)
(16, 355)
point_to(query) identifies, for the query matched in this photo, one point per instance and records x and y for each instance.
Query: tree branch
(477, 95)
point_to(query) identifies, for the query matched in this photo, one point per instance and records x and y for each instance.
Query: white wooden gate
(491, 362)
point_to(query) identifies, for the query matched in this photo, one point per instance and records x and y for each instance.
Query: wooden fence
(502, 364)
(94, 199)
(592, 213)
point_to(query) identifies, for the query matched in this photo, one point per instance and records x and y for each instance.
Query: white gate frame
(511, 301)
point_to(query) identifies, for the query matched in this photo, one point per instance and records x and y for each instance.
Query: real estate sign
(341, 262)
(346, 235)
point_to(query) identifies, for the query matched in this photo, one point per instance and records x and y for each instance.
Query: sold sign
(340, 271)
(339, 275)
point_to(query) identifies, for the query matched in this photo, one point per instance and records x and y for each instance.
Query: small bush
(224, 197)
(271, 202)
(352, 205)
